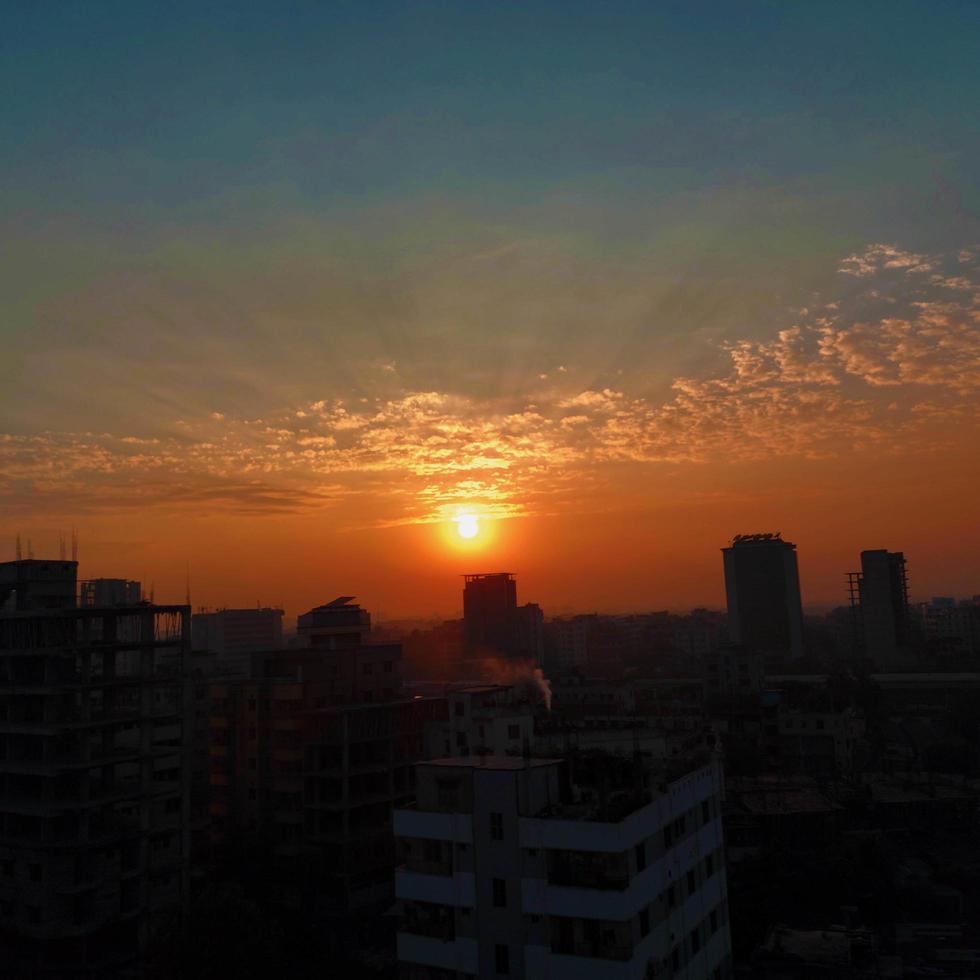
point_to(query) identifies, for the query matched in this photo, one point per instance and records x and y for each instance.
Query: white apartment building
(508, 874)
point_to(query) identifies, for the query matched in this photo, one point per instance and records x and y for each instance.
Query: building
(762, 584)
(881, 597)
(733, 672)
(31, 583)
(229, 633)
(339, 623)
(110, 592)
(94, 795)
(489, 719)
(519, 868)
(489, 615)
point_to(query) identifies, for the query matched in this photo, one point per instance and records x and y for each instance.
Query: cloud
(869, 370)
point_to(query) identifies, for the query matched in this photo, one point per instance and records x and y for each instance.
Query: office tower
(93, 779)
(762, 584)
(110, 592)
(507, 873)
(881, 597)
(232, 634)
(490, 615)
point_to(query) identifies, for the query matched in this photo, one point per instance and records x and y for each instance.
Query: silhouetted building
(230, 633)
(32, 583)
(762, 584)
(93, 777)
(339, 623)
(509, 871)
(110, 592)
(529, 627)
(489, 615)
(881, 594)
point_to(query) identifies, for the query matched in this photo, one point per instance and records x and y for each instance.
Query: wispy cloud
(896, 352)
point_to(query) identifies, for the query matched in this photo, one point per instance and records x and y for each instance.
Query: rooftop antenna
(30, 549)
(20, 550)
(187, 597)
(74, 544)
(151, 593)
(62, 546)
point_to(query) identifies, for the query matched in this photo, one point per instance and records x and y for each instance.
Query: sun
(467, 526)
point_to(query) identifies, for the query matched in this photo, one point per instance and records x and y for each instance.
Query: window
(668, 835)
(671, 897)
(820, 723)
(709, 866)
(641, 856)
(713, 920)
(705, 811)
(695, 941)
(675, 958)
(388, 667)
(252, 762)
(368, 669)
(496, 826)
(251, 734)
(502, 959)
(499, 893)
(513, 731)
(34, 872)
(459, 709)
(692, 882)
(7, 867)
(644, 921)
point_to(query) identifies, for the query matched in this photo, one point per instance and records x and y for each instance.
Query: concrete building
(230, 633)
(733, 672)
(490, 719)
(489, 615)
(510, 871)
(110, 592)
(762, 584)
(93, 776)
(30, 584)
(880, 593)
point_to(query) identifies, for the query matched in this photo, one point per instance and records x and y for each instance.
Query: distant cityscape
(753, 792)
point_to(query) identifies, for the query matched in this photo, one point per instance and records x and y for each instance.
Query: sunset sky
(286, 287)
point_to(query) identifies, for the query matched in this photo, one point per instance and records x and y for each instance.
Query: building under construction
(93, 775)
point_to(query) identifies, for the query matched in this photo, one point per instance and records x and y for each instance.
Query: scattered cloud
(871, 369)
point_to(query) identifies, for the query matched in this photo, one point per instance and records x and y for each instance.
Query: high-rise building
(489, 615)
(513, 867)
(762, 584)
(93, 776)
(881, 594)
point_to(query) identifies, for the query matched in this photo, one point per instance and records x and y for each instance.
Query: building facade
(509, 872)
(762, 585)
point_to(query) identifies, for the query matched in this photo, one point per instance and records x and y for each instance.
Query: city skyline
(617, 283)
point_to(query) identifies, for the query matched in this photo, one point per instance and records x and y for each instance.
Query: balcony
(439, 889)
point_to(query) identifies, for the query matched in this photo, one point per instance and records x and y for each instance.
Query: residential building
(94, 795)
(762, 584)
(30, 583)
(490, 719)
(231, 634)
(110, 592)
(528, 868)
(880, 593)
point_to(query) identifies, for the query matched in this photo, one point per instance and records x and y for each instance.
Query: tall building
(93, 776)
(882, 597)
(762, 584)
(489, 615)
(510, 871)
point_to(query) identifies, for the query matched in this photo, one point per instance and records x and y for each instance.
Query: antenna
(187, 597)
(30, 549)
(20, 550)
(74, 544)
(62, 546)
(151, 593)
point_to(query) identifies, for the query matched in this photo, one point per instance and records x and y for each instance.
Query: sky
(290, 287)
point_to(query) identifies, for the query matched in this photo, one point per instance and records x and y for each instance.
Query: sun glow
(467, 526)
